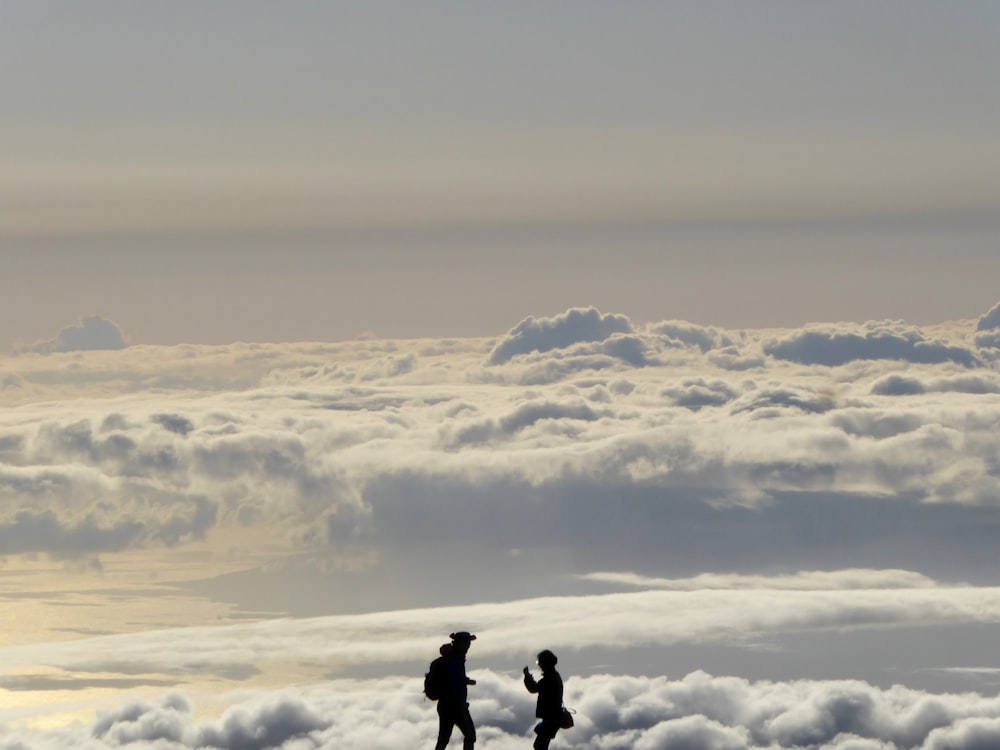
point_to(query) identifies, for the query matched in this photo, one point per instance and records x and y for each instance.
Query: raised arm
(529, 681)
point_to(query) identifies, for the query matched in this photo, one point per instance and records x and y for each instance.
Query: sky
(313, 171)
(661, 335)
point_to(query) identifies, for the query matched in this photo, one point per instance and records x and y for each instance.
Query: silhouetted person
(453, 704)
(549, 705)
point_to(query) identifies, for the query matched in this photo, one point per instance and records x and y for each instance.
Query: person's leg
(545, 731)
(468, 729)
(446, 721)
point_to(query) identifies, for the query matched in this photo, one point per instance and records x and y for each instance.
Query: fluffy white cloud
(702, 610)
(990, 319)
(382, 445)
(833, 346)
(696, 711)
(706, 338)
(559, 332)
(358, 476)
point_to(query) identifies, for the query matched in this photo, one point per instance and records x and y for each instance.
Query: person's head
(461, 641)
(446, 648)
(547, 660)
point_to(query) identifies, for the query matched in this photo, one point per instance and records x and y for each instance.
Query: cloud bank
(698, 710)
(329, 710)
(597, 421)
(582, 480)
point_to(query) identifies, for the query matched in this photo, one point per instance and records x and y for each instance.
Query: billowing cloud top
(990, 319)
(578, 325)
(698, 710)
(92, 333)
(885, 340)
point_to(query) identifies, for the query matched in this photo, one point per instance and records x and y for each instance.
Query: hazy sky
(220, 171)
(664, 335)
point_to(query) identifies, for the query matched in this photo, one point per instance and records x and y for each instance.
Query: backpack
(434, 679)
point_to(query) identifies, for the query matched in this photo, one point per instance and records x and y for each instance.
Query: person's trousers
(451, 715)
(546, 730)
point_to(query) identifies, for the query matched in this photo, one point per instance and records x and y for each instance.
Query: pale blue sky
(692, 160)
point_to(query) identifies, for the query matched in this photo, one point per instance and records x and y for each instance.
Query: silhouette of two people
(453, 699)
(549, 706)
(450, 687)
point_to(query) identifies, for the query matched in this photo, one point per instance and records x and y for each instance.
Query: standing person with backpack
(447, 683)
(549, 706)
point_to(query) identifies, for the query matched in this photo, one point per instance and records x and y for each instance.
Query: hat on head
(462, 635)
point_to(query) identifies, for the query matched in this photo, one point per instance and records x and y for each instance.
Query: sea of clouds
(583, 481)
(696, 712)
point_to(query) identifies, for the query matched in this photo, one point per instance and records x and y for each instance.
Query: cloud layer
(580, 481)
(600, 422)
(698, 710)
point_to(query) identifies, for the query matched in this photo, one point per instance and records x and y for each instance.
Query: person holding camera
(549, 706)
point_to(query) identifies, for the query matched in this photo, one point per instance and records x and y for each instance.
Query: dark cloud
(629, 349)
(905, 385)
(150, 517)
(175, 423)
(76, 441)
(988, 339)
(898, 385)
(687, 527)
(544, 334)
(11, 446)
(834, 346)
(91, 333)
(28, 531)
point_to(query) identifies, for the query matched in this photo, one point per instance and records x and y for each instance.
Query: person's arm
(529, 681)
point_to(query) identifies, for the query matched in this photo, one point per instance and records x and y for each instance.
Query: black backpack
(434, 679)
